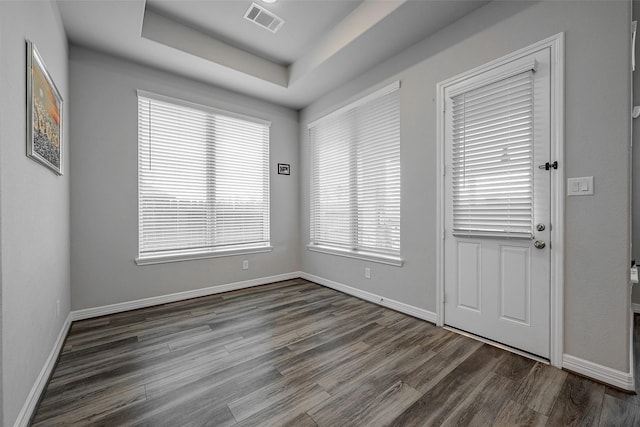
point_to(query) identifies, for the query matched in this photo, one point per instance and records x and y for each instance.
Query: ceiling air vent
(262, 17)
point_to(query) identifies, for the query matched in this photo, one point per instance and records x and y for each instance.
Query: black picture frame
(284, 169)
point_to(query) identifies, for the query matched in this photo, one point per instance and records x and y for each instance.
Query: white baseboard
(622, 380)
(619, 379)
(635, 307)
(104, 310)
(376, 299)
(26, 412)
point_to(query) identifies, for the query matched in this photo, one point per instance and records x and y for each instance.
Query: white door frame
(556, 44)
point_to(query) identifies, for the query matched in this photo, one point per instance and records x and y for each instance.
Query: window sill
(366, 256)
(161, 259)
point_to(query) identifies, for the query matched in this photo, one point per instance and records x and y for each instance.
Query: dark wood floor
(298, 354)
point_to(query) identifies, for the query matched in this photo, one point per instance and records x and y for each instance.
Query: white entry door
(497, 204)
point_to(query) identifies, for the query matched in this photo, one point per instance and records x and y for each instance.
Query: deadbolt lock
(540, 227)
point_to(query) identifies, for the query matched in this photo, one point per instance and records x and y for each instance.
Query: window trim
(362, 255)
(378, 257)
(163, 259)
(201, 107)
(355, 104)
(197, 254)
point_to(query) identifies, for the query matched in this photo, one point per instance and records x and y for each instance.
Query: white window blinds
(355, 176)
(492, 159)
(203, 180)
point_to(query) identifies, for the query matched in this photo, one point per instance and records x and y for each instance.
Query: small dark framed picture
(284, 169)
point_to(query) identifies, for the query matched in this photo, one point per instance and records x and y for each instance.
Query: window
(355, 179)
(203, 181)
(492, 157)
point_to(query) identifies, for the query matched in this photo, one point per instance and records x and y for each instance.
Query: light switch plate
(581, 186)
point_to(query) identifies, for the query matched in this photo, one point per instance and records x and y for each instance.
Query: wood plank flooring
(295, 353)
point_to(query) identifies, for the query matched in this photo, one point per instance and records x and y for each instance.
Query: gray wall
(597, 135)
(636, 157)
(34, 208)
(104, 217)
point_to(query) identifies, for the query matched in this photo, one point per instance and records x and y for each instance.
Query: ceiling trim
(170, 33)
(361, 37)
(362, 19)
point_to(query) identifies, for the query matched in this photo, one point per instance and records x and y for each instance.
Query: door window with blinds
(203, 181)
(355, 179)
(492, 158)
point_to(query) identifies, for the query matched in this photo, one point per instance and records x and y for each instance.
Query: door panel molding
(508, 257)
(471, 277)
(556, 46)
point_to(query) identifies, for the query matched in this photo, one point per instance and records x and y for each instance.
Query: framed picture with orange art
(44, 114)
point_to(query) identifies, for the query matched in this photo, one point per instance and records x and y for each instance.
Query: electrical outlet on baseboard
(245, 264)
(367, 273)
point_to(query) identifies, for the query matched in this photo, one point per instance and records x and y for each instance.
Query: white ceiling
(322, 44)
(305, 22)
